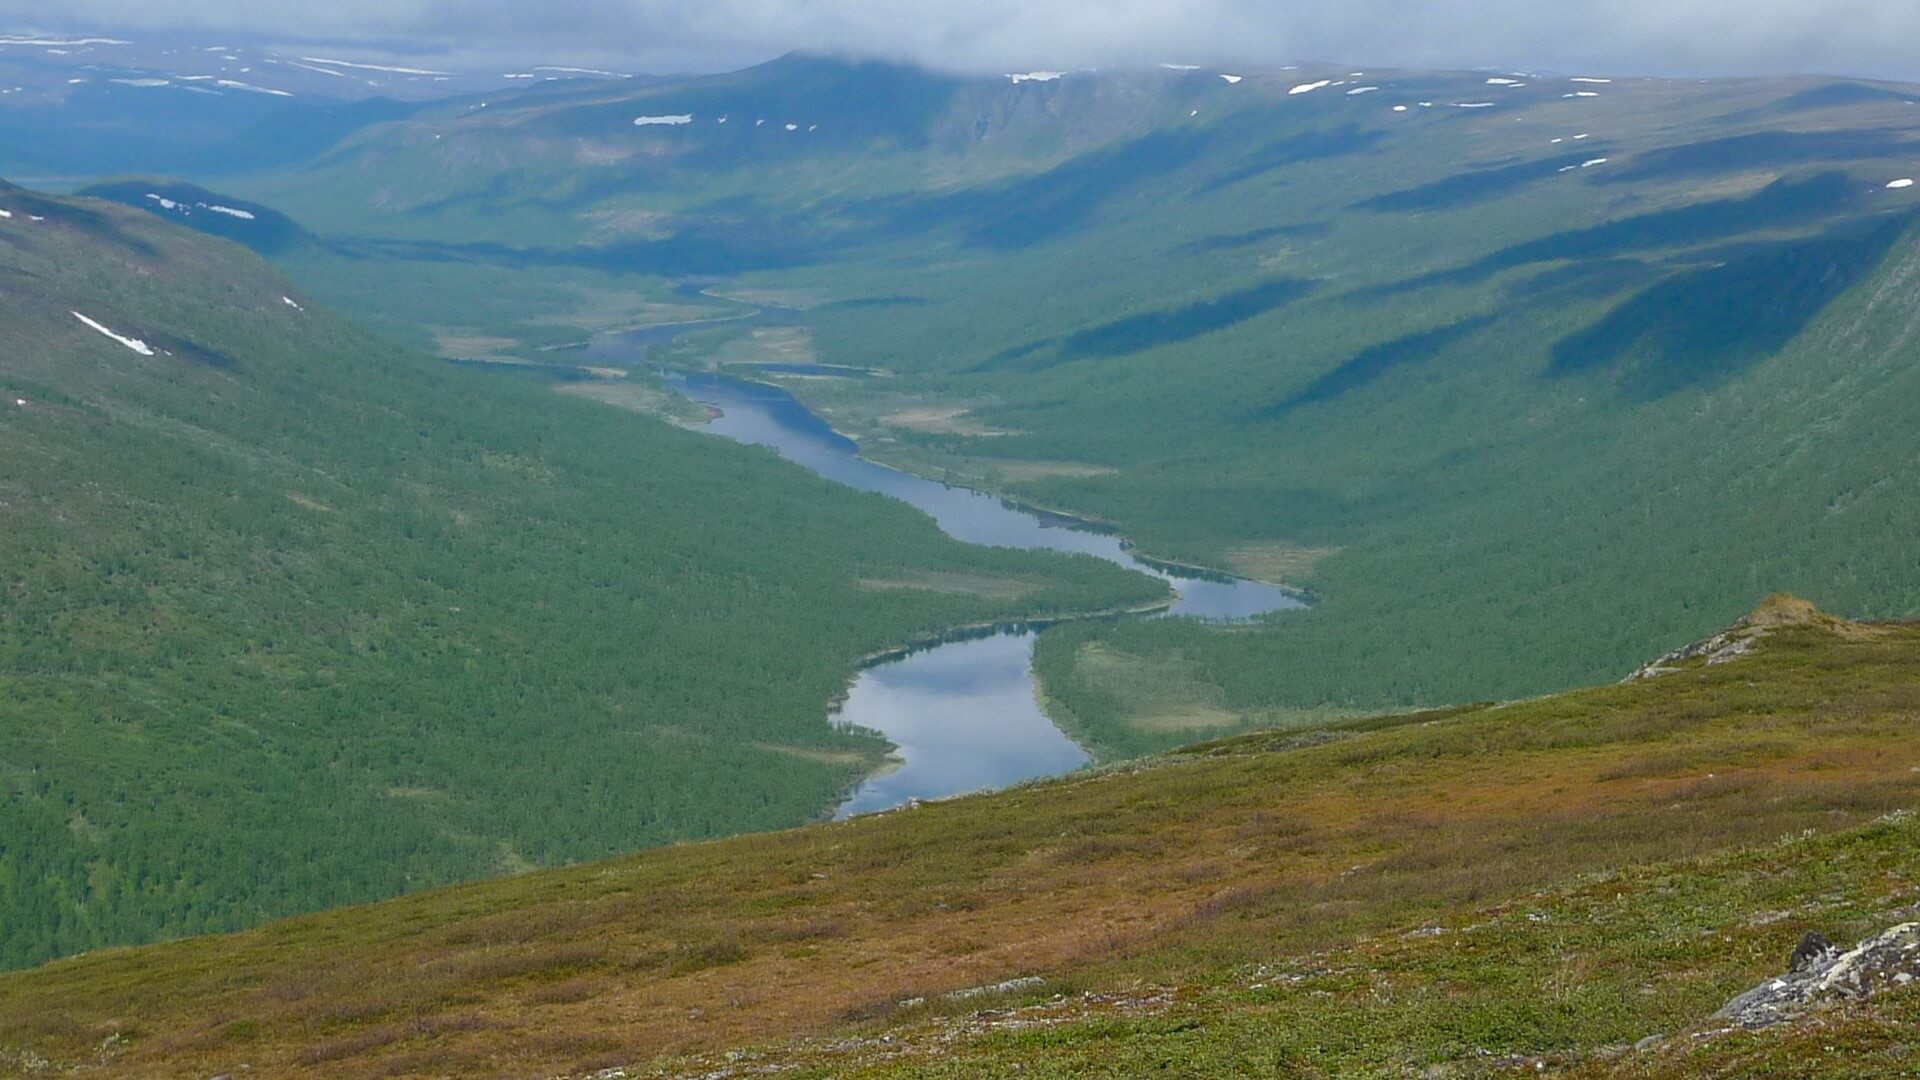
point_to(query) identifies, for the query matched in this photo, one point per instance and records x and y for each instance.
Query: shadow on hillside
(1782, 204)
(195, 353)
(1371, 363)
(1035, 209)
(1760, 150)
(1594, 279)
(699, 249)
(1208, 245)
(263, 229)
(1834, 96)
(1295, 150)
(865, 302)
(1482, 185)
(1137, 333)
(1032, 210)
(1011, 215)
(1719, 319)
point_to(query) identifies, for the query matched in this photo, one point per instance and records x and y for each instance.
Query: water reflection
(768, 416)
(963, 717)
(963, 714)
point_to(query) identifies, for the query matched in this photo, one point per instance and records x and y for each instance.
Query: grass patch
(637, 392)
(941, 420)
(816, 754)
(767, 345)
(1278, 563)
(955, 584)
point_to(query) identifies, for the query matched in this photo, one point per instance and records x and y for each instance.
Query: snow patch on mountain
(250, 88)
(313, 68)
(372, 67)
(68, 43)
(583, 71)
(135, 344)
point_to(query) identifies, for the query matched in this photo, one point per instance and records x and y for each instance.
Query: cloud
(1705, 37)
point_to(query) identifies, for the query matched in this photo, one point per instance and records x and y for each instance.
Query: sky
(1673, 37)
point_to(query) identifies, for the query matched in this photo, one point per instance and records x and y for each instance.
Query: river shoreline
(960, 709)
(1066, 518)
(1011, 626)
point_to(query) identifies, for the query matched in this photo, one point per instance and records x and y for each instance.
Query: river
(964, 714)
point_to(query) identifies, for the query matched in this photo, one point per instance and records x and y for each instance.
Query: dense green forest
(1637, 350)
(295, 619)
(1650, 419)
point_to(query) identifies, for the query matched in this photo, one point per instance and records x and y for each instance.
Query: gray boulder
(1820, 974)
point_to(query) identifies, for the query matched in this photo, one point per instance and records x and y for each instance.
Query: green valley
(515, 566)
(296, 619)
(1459, 358)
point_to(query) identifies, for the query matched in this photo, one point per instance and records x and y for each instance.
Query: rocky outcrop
(1742, 637)
(1819, 974)
(1718, 649)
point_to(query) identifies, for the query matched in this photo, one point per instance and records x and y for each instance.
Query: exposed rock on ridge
(1823, 975)
(1742, 637)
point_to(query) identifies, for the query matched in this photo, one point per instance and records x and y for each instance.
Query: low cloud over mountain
(1860, 37)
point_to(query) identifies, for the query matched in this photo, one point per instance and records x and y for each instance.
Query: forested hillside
(295, 619)
(1463, 353)
(1569, 886)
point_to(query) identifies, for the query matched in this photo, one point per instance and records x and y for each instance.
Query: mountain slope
(1461, 353)
(251, 225)
(296, 619)
(88, 105)
(1463, 892)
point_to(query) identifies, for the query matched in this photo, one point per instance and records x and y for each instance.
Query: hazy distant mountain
(86, 104)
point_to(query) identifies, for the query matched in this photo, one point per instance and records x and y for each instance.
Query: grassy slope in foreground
(293, 619)
(1244, 906)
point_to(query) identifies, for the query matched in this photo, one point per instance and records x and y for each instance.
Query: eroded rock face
(1820, 974)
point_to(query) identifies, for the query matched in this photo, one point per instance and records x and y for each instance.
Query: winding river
(964, 714)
